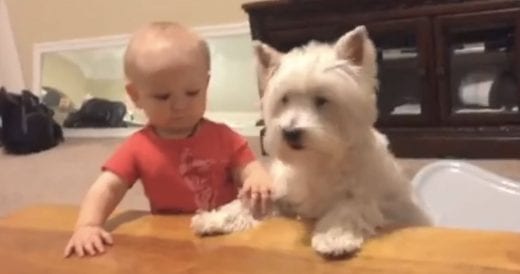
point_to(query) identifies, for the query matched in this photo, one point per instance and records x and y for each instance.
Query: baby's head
(167, 70)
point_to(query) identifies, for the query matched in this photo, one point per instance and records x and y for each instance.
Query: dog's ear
(352, 46)
(267, 60)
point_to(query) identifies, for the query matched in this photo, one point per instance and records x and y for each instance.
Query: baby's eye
(162, 97)
(320, 101)
(285, 99)
(192, 93)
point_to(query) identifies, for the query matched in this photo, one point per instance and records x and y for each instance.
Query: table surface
(32, 241)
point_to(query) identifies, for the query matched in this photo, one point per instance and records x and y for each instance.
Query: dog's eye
(285, 100)
(320, 101)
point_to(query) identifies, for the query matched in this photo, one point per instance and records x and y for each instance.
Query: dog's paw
(207, 223)
(221, 222)
(336, 242)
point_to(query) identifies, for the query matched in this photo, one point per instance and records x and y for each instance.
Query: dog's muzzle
(293, 137)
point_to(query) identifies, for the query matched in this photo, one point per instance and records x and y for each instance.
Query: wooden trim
(476, 142)
(291, 14)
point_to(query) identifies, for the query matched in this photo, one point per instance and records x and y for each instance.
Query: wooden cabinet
(449, 70)
(477, 54)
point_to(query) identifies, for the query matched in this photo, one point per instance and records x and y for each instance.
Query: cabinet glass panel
(482, 70)
(400, 76)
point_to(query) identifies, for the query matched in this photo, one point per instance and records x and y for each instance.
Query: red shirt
(183, 175)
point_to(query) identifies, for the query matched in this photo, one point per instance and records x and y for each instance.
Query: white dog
(329, 163)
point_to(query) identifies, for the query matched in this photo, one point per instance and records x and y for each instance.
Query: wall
(233, 85)
(36, 21)
(10, 69)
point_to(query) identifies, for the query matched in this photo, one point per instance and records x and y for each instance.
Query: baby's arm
(103, 196)
(256, 185)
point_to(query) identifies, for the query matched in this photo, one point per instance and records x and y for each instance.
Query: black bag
(98, 113)
(27, 124)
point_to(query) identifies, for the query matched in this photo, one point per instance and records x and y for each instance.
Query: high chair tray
(461, 195)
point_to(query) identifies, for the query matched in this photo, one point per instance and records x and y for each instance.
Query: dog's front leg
(229, 218)
(342, 230)
(405, 212)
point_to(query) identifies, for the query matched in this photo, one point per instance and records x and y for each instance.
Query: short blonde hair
(165, 34)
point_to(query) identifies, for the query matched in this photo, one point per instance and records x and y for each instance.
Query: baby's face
(174, 99)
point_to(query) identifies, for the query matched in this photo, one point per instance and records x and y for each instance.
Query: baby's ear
(267, 61)
(132, 93)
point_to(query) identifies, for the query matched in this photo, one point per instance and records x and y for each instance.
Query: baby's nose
(178, 104)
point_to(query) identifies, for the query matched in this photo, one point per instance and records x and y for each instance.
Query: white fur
(228, 218)
(344, 176)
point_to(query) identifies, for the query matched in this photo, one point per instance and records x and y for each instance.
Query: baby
(184, 161)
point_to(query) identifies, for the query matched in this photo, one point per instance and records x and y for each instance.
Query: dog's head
(318, 99)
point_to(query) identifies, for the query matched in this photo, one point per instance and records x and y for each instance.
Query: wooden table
(32, 241)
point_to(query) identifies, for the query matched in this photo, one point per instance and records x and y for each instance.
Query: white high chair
(461, 195)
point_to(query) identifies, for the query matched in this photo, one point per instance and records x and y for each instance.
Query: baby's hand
(88, 240)
(258, 192)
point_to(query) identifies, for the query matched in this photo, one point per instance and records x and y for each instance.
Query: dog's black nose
(293, 137)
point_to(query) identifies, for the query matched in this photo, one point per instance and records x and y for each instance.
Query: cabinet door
(405, 48)
(478, 67)
(406, 86)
